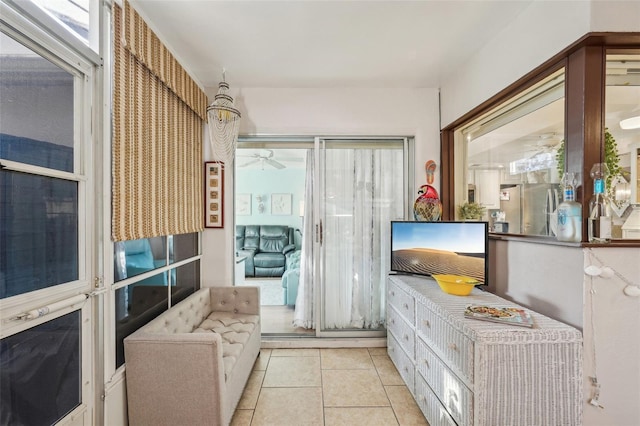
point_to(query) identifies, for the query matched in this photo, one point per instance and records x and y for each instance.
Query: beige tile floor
(359, 386)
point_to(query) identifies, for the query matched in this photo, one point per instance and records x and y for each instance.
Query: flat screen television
(430, 248)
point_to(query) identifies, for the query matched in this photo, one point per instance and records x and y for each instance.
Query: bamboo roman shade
(158, 115)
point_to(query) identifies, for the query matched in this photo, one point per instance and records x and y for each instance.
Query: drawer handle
(393, 321)
(393, 293)
(427, 323)
(426, 362)
(406, 337)
(406, 306)
(406, 369)
(453, 346)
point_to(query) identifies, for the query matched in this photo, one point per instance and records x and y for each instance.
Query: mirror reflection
(622, 119)
(515, 154)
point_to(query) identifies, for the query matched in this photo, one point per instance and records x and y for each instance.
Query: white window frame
(83, 64)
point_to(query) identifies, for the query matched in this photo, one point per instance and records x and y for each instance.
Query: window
(43, 227)
(511, 159)
(145, 295)
(40, 191)
(41, 372)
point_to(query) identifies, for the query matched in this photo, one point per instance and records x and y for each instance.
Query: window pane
(139, 303)
(513, 167)
(40, 375)
(135, 257)
(39, 228)
(72, 13)
(136, 305)
(36, 108)
(622, 122)
(184, 247)
(187, 281)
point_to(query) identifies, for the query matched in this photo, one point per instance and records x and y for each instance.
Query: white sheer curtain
(363, 193)
(303, 315)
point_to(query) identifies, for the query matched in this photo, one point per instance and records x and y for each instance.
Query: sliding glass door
(345, 193)
(361, 185)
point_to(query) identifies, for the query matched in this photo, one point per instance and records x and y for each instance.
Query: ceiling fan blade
(274, 163)
(257, 160)
(266, 153)
(290, 159)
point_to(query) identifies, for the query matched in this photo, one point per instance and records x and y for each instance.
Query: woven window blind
(158, 116)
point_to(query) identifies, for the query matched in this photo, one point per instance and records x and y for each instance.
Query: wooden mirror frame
(584, 63)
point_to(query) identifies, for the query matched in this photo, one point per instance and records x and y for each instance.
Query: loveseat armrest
(238, 299)
(288, 249)
(191, 383)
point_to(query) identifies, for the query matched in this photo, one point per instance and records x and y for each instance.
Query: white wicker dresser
(467, 372)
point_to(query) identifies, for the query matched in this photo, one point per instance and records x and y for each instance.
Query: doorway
(337, 195)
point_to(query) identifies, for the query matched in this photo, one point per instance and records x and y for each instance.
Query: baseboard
(320, 342)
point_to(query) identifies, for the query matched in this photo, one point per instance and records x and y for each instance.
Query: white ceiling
(302, 44)
(334, 43)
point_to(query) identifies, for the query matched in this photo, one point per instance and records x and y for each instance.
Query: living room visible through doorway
(269, 210)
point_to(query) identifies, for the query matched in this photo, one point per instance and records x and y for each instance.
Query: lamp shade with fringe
(224, 125)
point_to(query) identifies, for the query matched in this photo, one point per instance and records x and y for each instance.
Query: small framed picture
(281, 204)
(243, 204)
(213, 194)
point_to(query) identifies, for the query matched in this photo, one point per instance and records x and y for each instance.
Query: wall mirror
(511, 159)
(622, 122)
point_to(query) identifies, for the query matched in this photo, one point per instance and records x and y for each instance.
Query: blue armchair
(139, 258)
(291, 278)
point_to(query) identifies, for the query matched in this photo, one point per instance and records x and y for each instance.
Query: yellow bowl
(460, 285)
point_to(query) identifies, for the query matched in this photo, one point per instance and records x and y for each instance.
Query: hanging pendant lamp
(224, 124)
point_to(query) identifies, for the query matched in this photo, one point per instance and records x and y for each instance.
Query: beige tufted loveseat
(189, 366)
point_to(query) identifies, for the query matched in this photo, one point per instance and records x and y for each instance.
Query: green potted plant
(470, 211)
(611, 159)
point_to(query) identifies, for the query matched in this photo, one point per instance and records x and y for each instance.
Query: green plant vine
(611, 159)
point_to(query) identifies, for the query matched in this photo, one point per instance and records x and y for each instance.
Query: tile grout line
(320, 353)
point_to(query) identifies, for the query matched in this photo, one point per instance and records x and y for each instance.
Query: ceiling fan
(265, 156)
(546, 143)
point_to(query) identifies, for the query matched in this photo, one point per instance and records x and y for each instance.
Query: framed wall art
(213, 194)
(243, 204)
(281, 204)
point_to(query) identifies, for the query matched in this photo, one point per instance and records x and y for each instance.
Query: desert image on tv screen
(429, 248)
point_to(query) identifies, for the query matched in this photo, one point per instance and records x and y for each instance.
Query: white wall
(544, 29)
(545, 278)
(323, 112)
(612, 338)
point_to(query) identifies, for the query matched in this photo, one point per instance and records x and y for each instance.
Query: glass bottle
(569, 226)
(599, 213)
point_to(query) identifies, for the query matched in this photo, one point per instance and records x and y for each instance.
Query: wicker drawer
(455, 348)
(430, 405)
(453, 394)
(402, 301)
(401, 360)
(402, 331)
